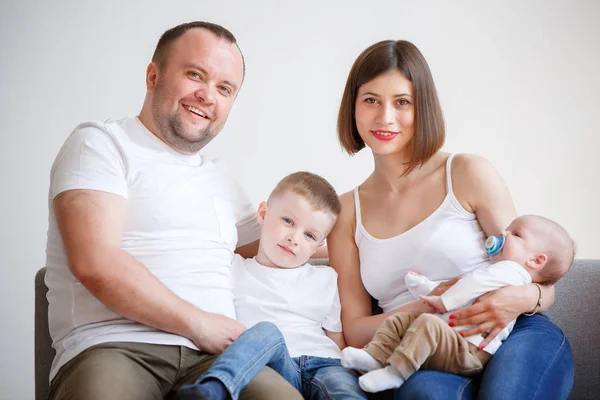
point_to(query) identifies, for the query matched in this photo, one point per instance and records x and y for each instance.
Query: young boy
(533, 249)
(292, 308)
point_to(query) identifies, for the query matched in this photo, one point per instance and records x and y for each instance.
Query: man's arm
(91, 224)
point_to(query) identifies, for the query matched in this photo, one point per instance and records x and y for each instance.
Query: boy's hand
(442, 287)
(435, 302)
(213, 333)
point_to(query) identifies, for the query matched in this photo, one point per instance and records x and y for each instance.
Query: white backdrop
(518, 82)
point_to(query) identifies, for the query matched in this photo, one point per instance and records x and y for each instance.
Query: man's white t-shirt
(185, 217)
(299, 301)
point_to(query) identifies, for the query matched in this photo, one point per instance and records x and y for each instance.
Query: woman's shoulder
(346, 220)
(470, 163)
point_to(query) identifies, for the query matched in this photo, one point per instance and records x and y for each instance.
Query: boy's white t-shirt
(185, 217)
(299, 301)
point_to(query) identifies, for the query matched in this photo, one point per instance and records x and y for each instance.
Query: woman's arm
(357, 320)
(480, 189)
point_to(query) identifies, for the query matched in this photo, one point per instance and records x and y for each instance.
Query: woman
(427, 211)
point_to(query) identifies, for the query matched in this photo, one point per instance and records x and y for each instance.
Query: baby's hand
(435, 302)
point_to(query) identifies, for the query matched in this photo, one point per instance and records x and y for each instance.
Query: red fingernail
(480, 347)
(461, 334)
(452, 316)
(451, 324)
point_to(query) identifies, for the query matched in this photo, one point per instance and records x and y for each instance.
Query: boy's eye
(310, 236)
(287, 220)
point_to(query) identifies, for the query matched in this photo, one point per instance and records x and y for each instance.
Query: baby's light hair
(558, 246)
(319, 193)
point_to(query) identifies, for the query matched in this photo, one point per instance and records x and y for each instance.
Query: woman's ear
(262, 211)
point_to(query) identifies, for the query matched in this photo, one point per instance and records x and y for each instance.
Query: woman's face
(385, 113)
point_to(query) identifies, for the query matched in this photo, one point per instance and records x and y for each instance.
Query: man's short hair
(319, 193)
(161, 52)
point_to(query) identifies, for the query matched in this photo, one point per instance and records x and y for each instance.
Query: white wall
(518, 82)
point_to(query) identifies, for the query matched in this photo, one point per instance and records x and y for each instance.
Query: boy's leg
(388, 336)
(256, 348)
(430, 343)
(118, 370)
(329, 380)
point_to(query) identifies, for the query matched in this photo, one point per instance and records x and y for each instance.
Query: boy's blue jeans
(263, 344)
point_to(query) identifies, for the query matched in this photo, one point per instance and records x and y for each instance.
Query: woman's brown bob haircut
(429, 130)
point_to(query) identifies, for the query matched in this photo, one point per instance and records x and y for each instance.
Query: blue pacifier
(494, 244)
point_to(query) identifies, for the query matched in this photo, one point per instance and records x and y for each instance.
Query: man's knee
(269, 385)
(105, 374)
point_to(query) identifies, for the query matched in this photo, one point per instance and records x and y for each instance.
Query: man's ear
(262, 211)
(537, 262)
(151, 76)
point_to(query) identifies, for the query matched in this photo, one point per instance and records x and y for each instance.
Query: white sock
(419, 285)
(359, 359)
(381, 379)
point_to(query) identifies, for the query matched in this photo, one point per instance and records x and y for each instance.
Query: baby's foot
(359, 360)
(381, 379)
(435, 302)
(418, 285)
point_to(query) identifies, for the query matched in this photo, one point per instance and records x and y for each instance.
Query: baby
(292, 308)
(533, 249)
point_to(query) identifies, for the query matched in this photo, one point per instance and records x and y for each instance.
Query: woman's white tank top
(448, 243)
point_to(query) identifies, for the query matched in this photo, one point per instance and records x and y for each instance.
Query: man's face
(193, 90)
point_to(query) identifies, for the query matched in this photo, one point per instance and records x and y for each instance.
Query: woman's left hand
(492, 312)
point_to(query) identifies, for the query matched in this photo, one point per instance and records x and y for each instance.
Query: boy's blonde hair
(319, 193)
(558, 246)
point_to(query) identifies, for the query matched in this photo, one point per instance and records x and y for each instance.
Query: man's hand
(213, 333)
(491, 312)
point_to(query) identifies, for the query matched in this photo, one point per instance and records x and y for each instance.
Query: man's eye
(225, 90)
(194, 75)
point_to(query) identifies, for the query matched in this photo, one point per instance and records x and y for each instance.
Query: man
(142, 232)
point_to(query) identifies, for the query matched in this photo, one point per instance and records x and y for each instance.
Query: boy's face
(522, 237)
(291, 230)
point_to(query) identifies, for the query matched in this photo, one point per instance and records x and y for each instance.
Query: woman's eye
(370, 100)
(403, 102)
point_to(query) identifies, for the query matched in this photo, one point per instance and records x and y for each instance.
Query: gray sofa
(576, 310)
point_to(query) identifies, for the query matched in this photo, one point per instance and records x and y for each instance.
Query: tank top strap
(449, 173)
(357, 207)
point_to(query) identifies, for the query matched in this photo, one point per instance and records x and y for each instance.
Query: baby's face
(291, 230)
(522, 237)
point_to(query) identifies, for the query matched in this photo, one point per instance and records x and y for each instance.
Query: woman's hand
(493, 311)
